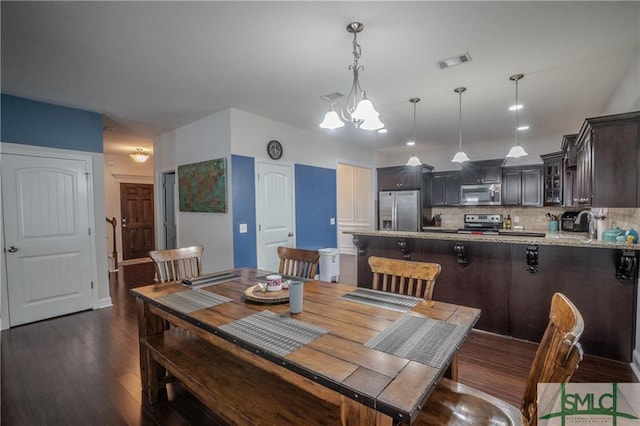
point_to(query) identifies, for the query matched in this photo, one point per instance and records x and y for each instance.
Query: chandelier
(139, 156)
(358, 109)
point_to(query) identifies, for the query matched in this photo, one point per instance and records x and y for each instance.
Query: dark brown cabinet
(485, 171)
(444, 189)
(553, 178)
(522, 186)
(401, 177)
(607, 161)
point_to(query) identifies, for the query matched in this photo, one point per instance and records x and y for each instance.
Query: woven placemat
(424, 340)
(271, 332)
(382, 299)
(192, 300)
(210, 279)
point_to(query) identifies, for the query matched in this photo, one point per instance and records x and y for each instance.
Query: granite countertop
(570, 239)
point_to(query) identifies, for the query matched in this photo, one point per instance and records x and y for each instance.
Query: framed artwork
(202, 187)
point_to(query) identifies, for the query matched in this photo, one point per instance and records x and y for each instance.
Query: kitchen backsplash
(535, 219)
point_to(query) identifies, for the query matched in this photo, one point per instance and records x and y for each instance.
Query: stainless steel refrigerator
(399, 210)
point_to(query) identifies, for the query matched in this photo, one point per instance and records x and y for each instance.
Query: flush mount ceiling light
(139, 156)
(516, 151)
(414, 160)
(359, 109)
(460, 156)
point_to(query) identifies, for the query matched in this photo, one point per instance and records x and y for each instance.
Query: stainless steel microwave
(487, 194)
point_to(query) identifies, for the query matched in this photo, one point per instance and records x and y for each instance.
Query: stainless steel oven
(487, 194)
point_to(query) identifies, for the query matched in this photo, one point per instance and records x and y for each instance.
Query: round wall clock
(274, 149)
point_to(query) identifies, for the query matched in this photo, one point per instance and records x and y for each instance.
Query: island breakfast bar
(329, 364)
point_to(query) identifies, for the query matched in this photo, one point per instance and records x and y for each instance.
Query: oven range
(481, 224)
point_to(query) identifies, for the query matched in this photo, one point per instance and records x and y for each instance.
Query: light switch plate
(243, 228)
(332, 221)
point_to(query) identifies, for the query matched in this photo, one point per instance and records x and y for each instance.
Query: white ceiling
(150, 67)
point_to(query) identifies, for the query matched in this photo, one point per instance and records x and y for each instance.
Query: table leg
(151, 373)
(353, 413)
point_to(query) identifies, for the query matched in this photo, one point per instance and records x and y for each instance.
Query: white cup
(274, 282)
(295, 296)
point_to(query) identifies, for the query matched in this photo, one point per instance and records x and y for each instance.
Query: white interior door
(355, 204)
(46, 235)
(274, 211)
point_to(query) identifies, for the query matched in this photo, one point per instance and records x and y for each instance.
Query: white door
(355, 204)
(274, 211)
(47, 243)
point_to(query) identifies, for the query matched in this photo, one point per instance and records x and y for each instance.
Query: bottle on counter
(504, 222)
(508, 221)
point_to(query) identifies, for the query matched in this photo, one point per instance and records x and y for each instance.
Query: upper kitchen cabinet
(607, 157)
(569, 149)
(522, 186)
(401, 177)
(553, 178)
(444, 189)
(485, 171)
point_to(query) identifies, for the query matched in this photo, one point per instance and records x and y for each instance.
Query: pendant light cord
(460, 117)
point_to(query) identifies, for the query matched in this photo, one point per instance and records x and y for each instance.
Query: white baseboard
(103, 303)
(635, 365)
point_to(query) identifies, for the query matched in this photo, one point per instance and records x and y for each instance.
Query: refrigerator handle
(394, 214)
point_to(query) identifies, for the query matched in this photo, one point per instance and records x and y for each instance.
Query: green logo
(585, 403)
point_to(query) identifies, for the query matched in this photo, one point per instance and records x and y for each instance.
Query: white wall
(627, 96)
(121, 169)
(205, 139)
(250, 134)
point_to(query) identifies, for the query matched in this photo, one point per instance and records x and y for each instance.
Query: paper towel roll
(601, 226)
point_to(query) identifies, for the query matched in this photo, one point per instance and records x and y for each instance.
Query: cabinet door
(553, 181)
(511, 187)
(437, 192)
(452, 190)
(531, 189)
(615, 167)
(403, 177)
(582, 194)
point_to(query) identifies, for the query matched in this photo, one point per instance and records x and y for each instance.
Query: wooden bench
(236, 391)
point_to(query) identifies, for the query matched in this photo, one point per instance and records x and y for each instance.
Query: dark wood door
(531, 187)
(136, 205)
(511, 187)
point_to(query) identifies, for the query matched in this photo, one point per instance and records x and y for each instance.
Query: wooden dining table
(352, 356)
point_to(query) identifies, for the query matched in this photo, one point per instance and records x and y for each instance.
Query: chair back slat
(404, 276)
(298, 262)
(558, 354)
(177, 264)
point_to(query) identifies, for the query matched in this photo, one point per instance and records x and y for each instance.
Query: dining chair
(177, 264)
(404, 276)
(298, 262)
(556, 359)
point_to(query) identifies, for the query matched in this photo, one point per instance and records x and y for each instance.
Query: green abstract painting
(202, 187)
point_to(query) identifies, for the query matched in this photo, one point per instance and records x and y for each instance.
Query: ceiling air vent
(453, 61)
(332, 96)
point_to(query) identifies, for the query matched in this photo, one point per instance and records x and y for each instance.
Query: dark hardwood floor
(83, 368)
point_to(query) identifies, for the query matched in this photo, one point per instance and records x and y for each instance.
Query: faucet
(592, 225)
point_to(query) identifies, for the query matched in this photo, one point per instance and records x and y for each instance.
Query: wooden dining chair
(298, 262)
(404, 276)
(556, 359)
(177, 264)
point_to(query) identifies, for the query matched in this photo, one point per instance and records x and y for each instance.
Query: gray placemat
(192, 300)
(382, 299)
(424, 340)
(271, 332)
(210, 279)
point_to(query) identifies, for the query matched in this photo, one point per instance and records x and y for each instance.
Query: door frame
(258, 206)
(37, 151)
(163, 208)
(158, 180)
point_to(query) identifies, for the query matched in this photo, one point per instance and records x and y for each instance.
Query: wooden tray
(255, 294)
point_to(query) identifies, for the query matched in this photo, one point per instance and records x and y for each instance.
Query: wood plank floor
(83, 368)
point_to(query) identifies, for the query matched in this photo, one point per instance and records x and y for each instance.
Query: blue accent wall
(28, 122)
(315, 205)
(244, 211)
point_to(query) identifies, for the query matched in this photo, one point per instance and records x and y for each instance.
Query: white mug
(274, 282)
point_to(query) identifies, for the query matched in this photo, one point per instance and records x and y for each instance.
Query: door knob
(12, 249)
(291, 234)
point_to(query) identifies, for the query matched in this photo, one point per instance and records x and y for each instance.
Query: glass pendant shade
(364, 111)
(414, 161)
(331, 120)
(516, 152)
(460, 157)
(372, 123)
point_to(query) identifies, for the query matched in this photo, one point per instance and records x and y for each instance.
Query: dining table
(352, 356)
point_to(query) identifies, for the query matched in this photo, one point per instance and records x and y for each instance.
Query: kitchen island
(511, 278)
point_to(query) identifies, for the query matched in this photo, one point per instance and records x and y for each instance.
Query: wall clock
(274, 149)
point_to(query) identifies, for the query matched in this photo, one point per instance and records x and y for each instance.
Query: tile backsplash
(535, 219)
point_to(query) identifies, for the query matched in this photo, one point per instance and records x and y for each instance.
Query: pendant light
(414, 160)
(460, 156)
(517, 150)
